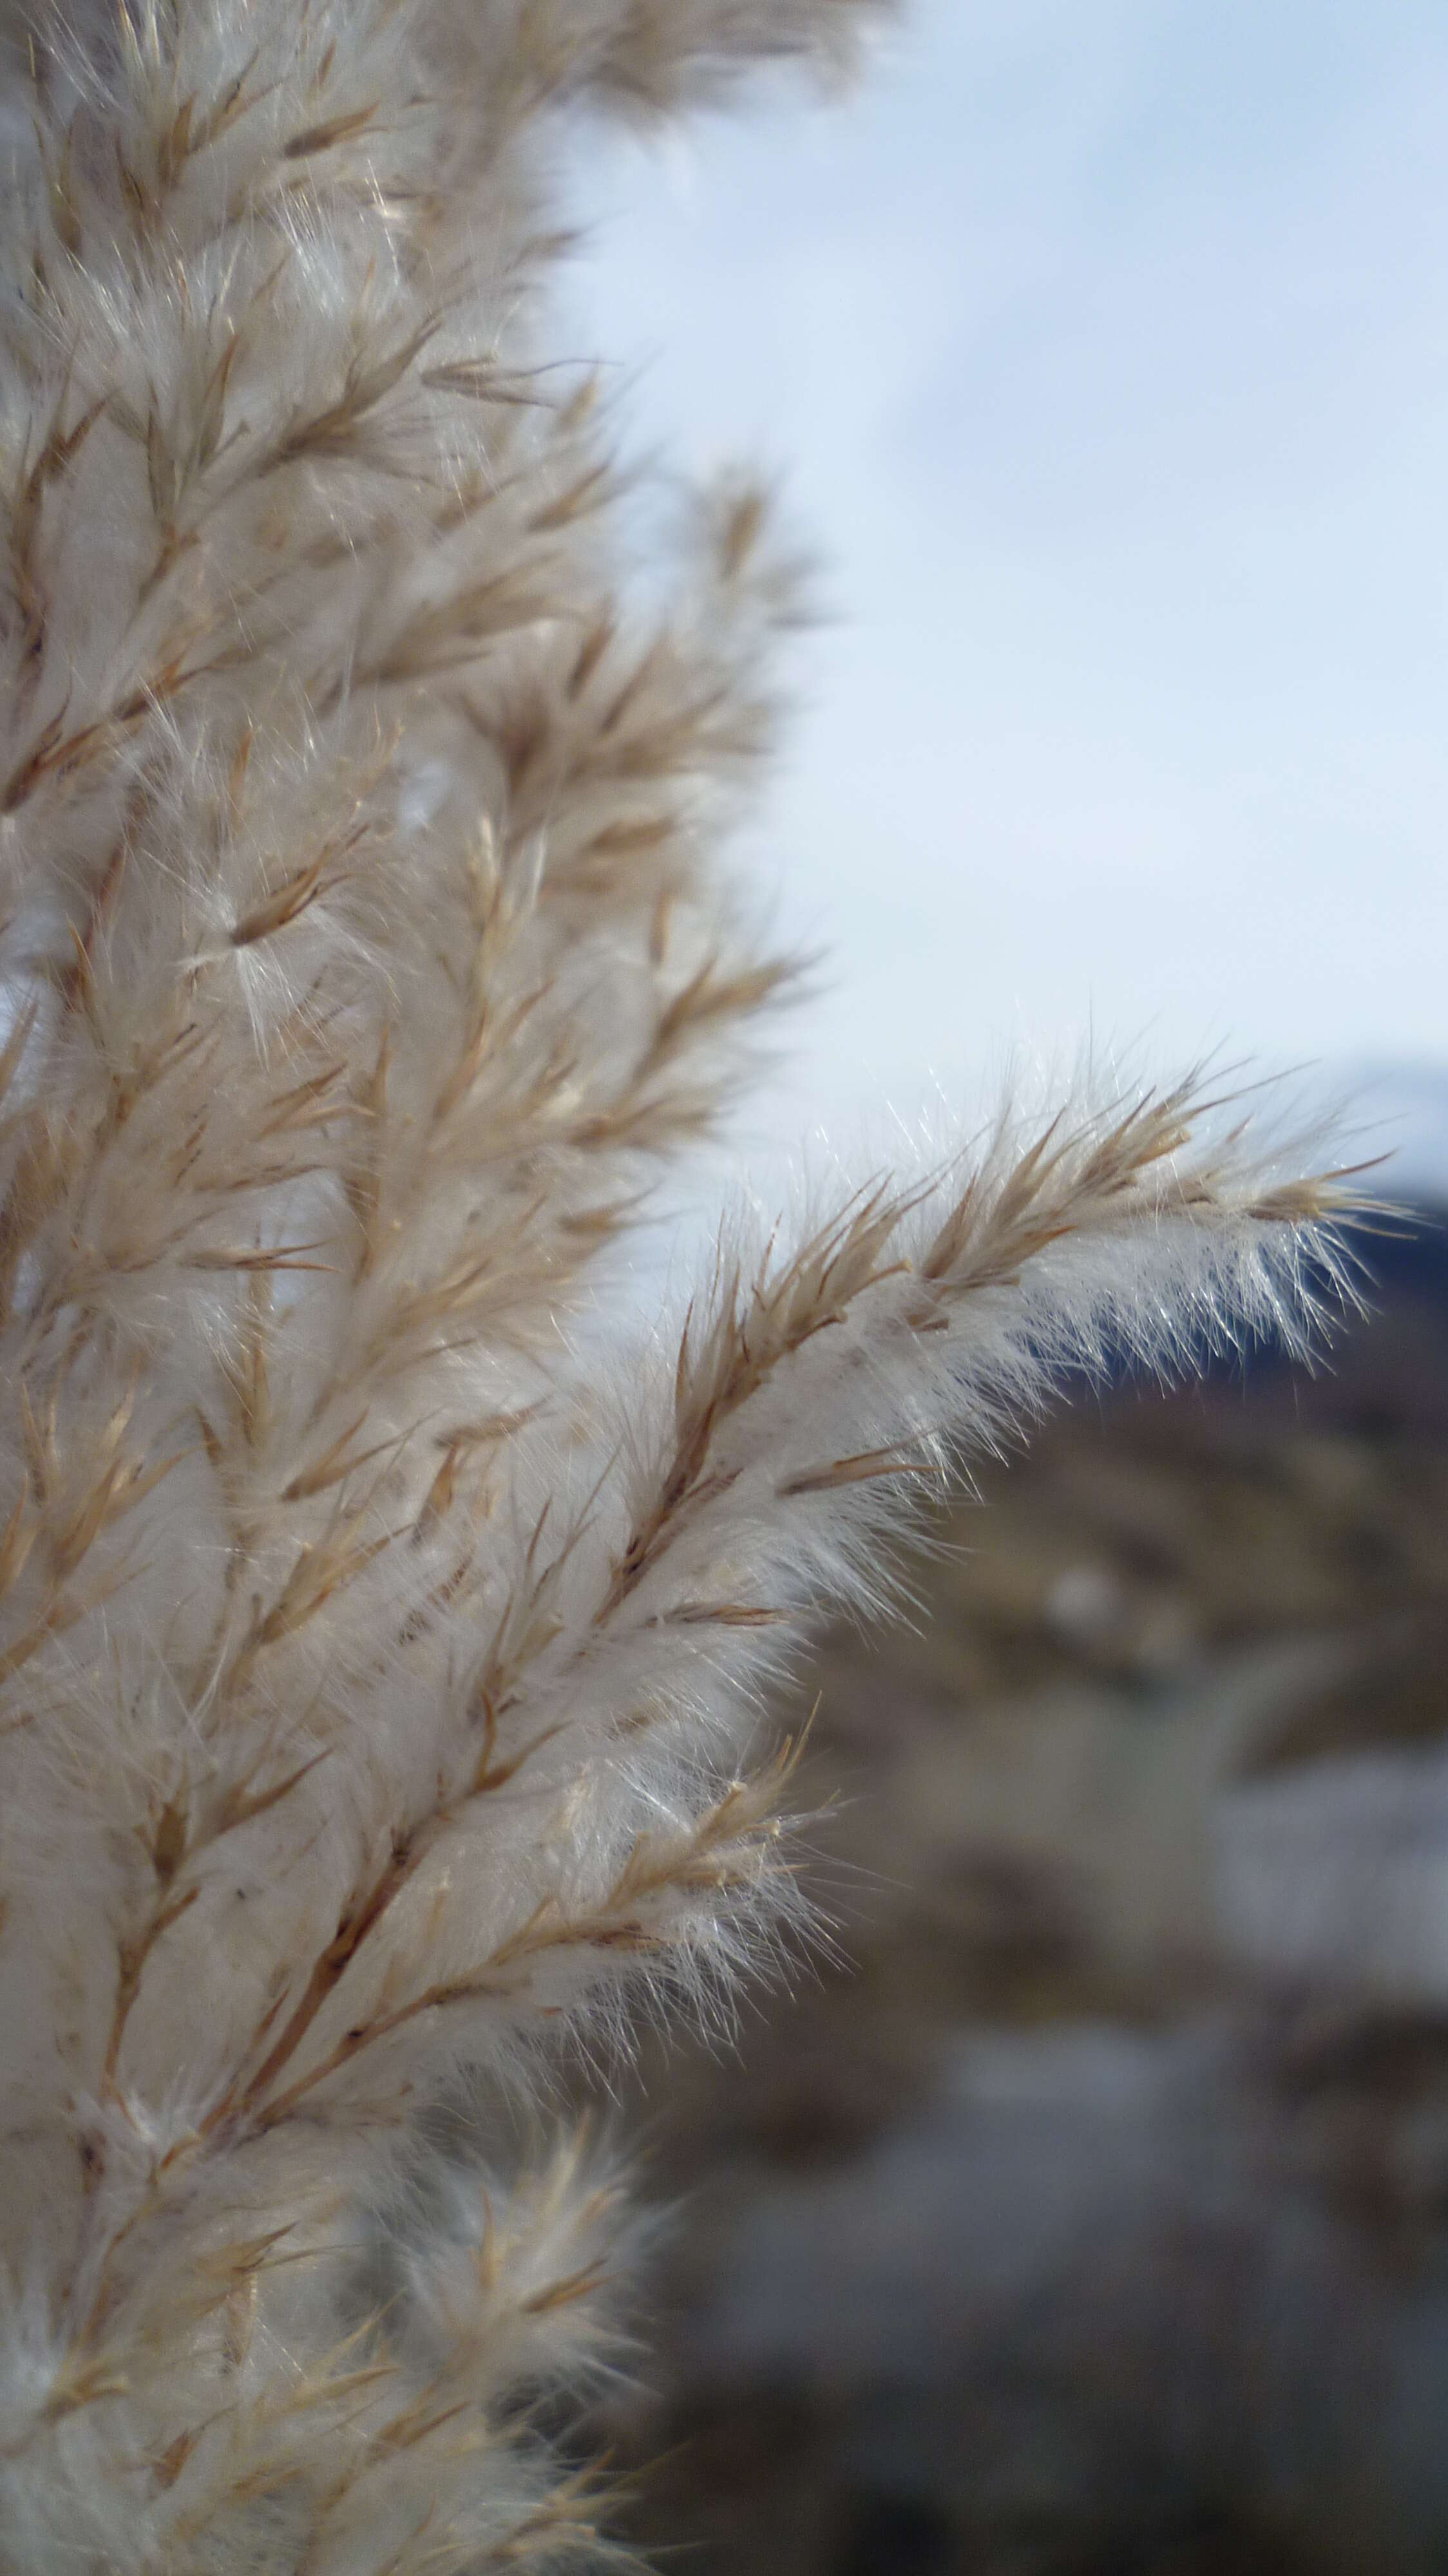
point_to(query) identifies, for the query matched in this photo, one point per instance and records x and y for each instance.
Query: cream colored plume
(383, 1668)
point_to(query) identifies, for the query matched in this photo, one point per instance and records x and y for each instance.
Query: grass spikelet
(382, 1658)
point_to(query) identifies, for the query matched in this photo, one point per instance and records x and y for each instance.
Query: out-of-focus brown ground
(1086, 2210)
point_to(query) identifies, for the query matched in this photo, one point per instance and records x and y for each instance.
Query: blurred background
(1084, 2210)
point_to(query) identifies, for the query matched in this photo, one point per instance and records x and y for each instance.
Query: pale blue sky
(1104, 347)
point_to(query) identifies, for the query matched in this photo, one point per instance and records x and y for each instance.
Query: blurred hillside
(1085, 2212)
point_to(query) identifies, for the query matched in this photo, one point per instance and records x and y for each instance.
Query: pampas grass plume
(384, 1668)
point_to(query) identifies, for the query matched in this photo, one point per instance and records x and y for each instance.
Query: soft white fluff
(379, 1680)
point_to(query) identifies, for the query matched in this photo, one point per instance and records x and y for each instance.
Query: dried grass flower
(385, 1666)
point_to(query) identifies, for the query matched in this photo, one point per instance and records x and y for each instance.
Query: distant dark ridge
(1406, 1252)
(1382, 1374)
